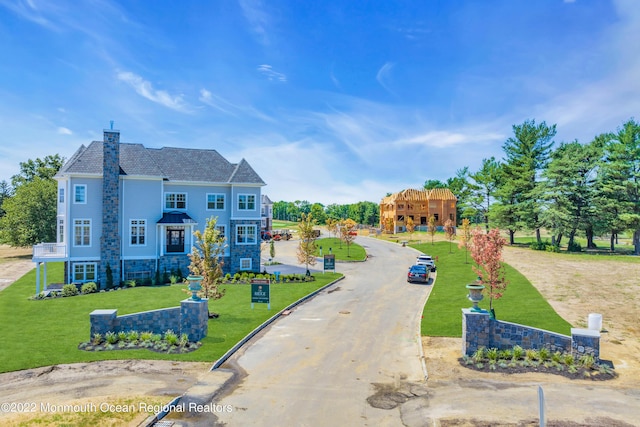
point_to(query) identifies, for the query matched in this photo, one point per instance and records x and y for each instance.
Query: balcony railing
(49, 251)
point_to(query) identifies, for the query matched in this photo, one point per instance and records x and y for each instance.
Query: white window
(223, 230)
(215, 202)
(81, 232)
(84, 272)
(246, 202)
(60, 195)
(175, 200)
(246, 234)
(138, 232)
(61, 231)
(245, 264)
(80, 194)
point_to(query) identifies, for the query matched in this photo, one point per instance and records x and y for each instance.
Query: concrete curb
(149, 422)
(267, 322)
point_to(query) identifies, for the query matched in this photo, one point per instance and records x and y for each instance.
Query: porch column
(45, 276)
(37, 277)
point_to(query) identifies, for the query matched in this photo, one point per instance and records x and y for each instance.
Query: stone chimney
(110, 239)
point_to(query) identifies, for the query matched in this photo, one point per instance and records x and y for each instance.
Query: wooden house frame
(418, 205)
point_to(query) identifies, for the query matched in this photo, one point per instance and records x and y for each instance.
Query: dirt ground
(574, 287)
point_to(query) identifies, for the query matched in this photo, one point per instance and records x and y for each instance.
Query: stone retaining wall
(190, 318)
(479, 330)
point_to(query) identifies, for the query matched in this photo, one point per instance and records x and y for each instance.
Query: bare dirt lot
(575, 287)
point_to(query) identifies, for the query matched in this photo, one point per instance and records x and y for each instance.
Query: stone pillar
(110, 238)
(476, 331)
(103, 321)
(585, 341)
(194, 318)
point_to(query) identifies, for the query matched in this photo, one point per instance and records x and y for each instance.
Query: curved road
(319, 365)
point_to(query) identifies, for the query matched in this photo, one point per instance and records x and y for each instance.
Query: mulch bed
(158, 348)
(582, 373)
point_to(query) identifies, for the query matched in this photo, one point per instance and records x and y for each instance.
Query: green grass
(47, 332)
(278, 224)
(339, 249)
(521, 302)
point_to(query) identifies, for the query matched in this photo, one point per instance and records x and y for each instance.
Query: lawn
(279, 224)
(354, 252)
(47, 332)
(521, 302)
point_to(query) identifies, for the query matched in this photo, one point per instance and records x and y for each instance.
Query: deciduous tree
(347, 235)
(465, 237)
(431, 227)
(486, 251)
(449, 231)
(411, 227)
(307, 246)
(30, 215)
(206, 259)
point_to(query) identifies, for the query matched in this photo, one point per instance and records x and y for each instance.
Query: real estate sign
(260, 292)
(330, 262)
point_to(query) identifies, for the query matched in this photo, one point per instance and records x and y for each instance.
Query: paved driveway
(318, 366)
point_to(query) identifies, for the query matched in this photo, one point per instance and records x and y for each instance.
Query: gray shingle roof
(173, 164)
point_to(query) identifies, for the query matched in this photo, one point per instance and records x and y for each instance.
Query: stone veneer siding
(244, 251)
(139, 268)
(110, 238)
(479, 330)
(171, 263)
(191, 317)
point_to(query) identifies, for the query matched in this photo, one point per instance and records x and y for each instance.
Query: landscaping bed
(519, 360)
(169, 342)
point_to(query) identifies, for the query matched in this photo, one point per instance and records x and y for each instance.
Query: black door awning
(176, 218)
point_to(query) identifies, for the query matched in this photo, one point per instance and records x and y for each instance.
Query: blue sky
(331, 101)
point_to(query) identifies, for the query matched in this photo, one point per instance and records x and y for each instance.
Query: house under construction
(419, 205)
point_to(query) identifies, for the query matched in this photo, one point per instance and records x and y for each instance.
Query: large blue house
(133, 210)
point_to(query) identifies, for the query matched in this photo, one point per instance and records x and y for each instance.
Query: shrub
(518, 352)
(111, 337)
(173, 279)
(574, 247)
(492, 354)
(133, 336)
(131, 283)
(544, 246)
(552, 248)
(184, 340)
(170, 337)
(89, 288)
(109, 275)
(146, 336)
(544, 354)
(97, 339)
(587, 360)
(69, 290)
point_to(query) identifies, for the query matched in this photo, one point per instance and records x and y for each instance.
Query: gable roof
(169, 163)
(413, 195)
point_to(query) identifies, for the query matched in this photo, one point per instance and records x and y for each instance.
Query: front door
(175, 240)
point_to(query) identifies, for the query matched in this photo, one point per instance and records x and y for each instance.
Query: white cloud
(64, 131)
(383, 76)
(444, 139)
(258, 19)
(268, 71)
(145, 89)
